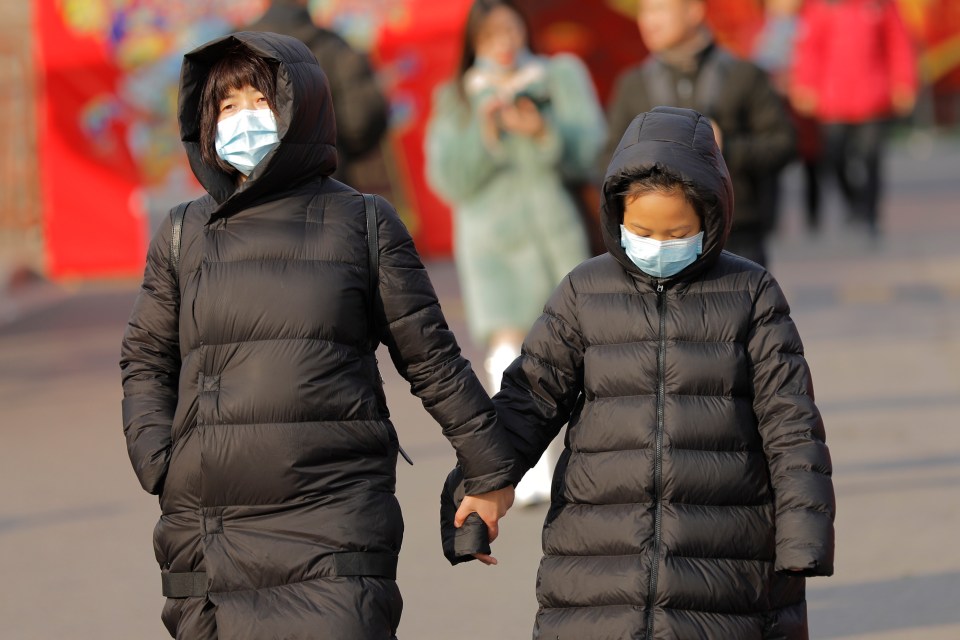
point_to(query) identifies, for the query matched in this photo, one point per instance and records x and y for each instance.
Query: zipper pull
(659, 287)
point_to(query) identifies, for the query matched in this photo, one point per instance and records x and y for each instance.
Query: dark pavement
(881, 326)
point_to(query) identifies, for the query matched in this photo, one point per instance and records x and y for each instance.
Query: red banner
(93, 223)
(108, 71)
(418, 49)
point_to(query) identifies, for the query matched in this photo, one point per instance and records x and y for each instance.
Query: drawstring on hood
(305, 121)
(682, 141)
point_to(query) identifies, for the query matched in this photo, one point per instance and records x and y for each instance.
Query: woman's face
(661, 216)
(240, 99)
(501, 37)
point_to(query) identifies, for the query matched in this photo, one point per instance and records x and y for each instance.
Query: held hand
(490, 507)
(523, 118)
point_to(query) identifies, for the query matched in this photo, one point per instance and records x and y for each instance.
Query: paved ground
(882, 330)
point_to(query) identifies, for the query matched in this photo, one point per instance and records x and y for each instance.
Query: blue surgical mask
(661, 259)
(246, 137)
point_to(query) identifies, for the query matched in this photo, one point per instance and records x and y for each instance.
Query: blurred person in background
(504, 137)
(855, 68)
(253, 404)
(773, 52)
(688, 69)
(361, 108)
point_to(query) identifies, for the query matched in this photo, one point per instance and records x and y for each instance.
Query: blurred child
(694, 493)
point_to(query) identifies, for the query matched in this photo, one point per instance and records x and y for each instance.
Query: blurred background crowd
(91, 113)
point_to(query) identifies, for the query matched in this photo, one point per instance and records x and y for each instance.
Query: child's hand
(490, 507)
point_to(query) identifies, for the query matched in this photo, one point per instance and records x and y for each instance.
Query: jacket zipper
(658, 459)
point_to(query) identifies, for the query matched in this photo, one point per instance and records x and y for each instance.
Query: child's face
(661, 216)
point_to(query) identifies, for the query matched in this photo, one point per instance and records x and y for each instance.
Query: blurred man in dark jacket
(688, 69)
(359, 105)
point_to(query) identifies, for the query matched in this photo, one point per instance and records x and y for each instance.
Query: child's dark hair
(239, 67)
(661, 179)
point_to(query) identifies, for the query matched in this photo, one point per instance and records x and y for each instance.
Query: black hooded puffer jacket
(695, 472)
(252, 401)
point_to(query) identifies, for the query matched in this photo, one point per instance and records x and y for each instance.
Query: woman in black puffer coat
(694, 493)
(252, 402)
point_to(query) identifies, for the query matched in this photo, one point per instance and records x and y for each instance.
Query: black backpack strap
(177, 214)
(373, 262)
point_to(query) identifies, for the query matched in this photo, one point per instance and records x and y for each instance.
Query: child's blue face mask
(246, 137)
(661, 259)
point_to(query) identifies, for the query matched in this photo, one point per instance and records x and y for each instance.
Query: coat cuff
(488, 483)
(460, 545)
(805, 543)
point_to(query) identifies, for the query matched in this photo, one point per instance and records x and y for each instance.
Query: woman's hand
(489, 115)
(904, 101)
(523, 118)
(804, 101)
(490, 507)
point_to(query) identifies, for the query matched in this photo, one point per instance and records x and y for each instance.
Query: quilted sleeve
(425, 352)
(150, 366)
(793, 437)
(541, 388)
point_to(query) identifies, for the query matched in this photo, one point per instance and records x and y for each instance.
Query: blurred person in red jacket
(855, 68)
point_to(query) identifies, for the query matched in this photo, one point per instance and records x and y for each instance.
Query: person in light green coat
(506, 138)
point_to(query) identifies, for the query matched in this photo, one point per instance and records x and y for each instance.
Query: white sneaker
(498, 359)
(535, 486)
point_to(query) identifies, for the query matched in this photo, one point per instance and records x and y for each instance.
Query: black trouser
(853, 154)
(811, 194)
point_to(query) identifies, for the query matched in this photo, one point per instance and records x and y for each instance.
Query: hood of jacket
(305, 121)
(683, 141)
